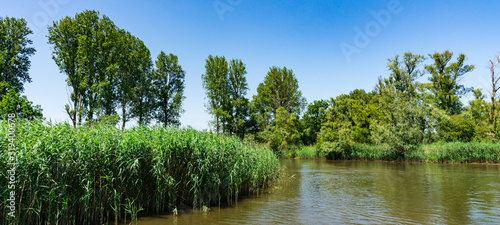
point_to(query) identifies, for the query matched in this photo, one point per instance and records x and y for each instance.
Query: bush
(456, 128)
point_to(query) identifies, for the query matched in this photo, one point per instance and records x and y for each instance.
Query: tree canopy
(168, 89)
(445, 79)
(107, 69)
(14, 54)
(280, 89)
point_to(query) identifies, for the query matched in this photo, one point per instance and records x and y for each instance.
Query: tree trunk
(80, 105)
(165, 108)
(492, 106)
(124, 116)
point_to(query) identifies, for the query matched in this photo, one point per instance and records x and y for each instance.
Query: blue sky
(305, 36)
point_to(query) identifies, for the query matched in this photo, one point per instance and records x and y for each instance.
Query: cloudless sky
(303, 35)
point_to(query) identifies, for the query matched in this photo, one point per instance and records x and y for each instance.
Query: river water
(350, 192)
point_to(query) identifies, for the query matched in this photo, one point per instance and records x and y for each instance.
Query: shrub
(456, 128)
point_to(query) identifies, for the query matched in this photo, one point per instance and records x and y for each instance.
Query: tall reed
(453, 152)
(83, 175)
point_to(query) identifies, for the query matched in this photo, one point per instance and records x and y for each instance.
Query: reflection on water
(327, 192)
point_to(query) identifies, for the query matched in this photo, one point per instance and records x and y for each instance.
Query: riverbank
(85, 175)
(454, 152)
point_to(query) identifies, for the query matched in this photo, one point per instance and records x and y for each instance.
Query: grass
(85, 175)
(454, 152)
(472, 152)
(370, 152)
(303, 152)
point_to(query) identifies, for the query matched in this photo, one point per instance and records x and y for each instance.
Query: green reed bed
(472, 152)
(370, 152)
(83, 175)
(303, 152)
(454, 152)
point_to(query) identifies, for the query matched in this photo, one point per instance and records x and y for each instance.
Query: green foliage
(457, 128)
(312, 120)
(90, 175)
(405, 72)
(335, 150)
(130, 79)
(347, 122)
(14, 54)
(82, 48)
(259, 116)
(63, 36)
(226, 87)
(371, 152)
(455, 152)
(279, 89)
(239, 108)
(215, 85)
(13, 102)
(104, 120)
(478, 107)
(284, 132)
(459, 152)
(445, 77)
(479, 111)
(404, 117)
(168, 80)
(14, 66)
(303, 152)
(106, 68)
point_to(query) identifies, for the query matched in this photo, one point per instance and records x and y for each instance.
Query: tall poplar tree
(215, 85)
(143, 99)
(445, 79)
(14, 66)
(133, 66)
(280, 89)
(83, 49)
(239, 104)
(168, 80)
(63, 36)
(14, 54)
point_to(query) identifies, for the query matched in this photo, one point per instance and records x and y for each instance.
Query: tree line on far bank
(401, 113)
(113, 80)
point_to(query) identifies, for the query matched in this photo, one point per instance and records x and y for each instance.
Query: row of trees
(225, 86)
(400, 112)
(109, 71)
(111, 75)
(112, 78)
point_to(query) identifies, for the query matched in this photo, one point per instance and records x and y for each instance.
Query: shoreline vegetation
(440, 152)
(92, 172)
(96, 175)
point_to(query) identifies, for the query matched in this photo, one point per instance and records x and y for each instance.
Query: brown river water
(352, 192)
